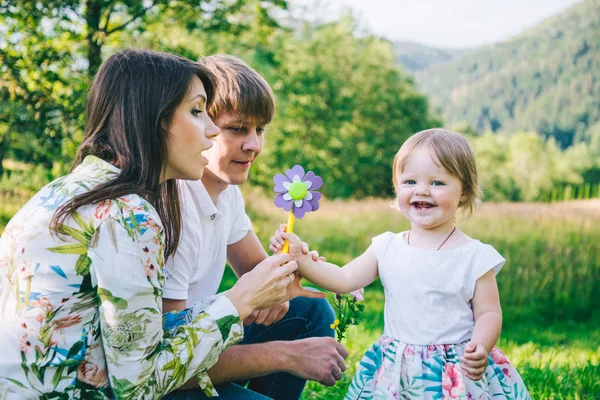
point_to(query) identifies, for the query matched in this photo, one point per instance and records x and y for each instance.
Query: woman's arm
(143, 361)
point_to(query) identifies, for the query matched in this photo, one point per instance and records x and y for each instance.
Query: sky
(439, 23)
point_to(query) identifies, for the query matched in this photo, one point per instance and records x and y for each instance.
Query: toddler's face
(427, 194)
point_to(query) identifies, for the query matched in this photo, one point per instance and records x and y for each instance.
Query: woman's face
(190, 133)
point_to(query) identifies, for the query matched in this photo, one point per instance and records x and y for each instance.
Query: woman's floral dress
(80, 312)
(428, 323)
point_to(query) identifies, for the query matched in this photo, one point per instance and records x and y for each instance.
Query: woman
(81, 263)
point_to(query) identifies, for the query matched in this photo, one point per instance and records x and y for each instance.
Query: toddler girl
(442, 309)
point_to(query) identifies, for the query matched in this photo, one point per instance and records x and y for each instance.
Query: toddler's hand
(474, 361)
(277, 241)
(296, 245)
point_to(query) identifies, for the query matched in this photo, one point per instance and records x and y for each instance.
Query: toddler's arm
(357, 274)
(488, 323)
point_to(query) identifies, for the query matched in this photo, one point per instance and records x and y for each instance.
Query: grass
(550, 286)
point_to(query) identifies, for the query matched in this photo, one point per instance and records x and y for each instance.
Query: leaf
(57, 376)
(58, 270)
(106, 295)
(434, 389)
(122, 388)
(19, 384)
(170, 365)
(74, 233)
(225, 324)
(112, 234)
(86, 284)
(55, 395)
(94, 239)
(39, 372)
(73, 362)
(82, 266)
(75, 349)
(128, 228)
(80, 221)
(76, 248)
(134, 222)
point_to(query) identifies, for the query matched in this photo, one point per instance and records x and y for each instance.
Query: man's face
(234, 150)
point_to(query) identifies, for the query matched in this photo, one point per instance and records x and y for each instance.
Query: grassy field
(550, 286)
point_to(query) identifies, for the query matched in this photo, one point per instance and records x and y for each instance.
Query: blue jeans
(306, 318)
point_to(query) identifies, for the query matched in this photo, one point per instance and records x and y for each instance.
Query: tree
(49, 50)
(492, 153)
(525, 167)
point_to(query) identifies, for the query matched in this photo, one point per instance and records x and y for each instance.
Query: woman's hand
(264, 286)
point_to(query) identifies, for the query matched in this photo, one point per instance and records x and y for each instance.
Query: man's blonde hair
(454, 153)
(239, 89)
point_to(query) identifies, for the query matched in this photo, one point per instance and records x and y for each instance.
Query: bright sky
(440, 23)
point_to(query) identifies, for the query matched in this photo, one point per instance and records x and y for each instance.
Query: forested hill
(417, 57)
(546, 79)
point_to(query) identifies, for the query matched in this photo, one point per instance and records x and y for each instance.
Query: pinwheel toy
(297, 193)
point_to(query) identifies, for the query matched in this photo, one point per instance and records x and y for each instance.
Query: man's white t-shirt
(195, 271)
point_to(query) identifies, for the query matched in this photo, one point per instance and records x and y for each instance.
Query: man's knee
(318, 312)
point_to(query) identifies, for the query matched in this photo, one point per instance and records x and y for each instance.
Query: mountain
(417, 57)
(546, 79)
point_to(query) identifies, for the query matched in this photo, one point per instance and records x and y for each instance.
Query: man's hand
(319, 359)
(474, 361)
(295, 289)
(268, 316)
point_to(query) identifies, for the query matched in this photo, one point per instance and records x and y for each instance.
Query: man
(287, 344)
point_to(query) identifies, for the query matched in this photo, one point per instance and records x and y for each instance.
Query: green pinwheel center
(297, 190)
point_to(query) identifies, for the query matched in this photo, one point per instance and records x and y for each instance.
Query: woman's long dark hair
(131, 101)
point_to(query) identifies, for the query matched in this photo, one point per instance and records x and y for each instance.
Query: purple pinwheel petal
(296, 170)
(300, 211)
(279, 179)
(316, 181)
(282, 203)
(314, 202)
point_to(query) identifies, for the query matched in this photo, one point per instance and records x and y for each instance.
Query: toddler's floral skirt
(392, 369)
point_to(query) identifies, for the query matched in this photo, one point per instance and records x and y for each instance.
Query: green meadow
(549, 287)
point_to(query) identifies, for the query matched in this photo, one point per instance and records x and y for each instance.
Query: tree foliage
(524, 166)
(49, 50)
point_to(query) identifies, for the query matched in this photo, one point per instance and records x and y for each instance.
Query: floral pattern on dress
(393, 370)
(80, 310)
